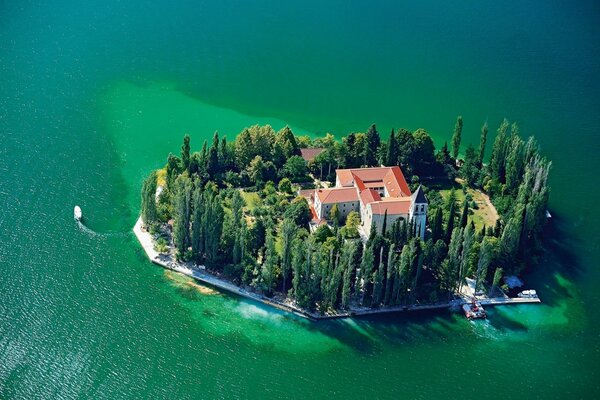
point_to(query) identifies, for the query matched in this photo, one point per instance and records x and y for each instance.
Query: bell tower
(418, 212)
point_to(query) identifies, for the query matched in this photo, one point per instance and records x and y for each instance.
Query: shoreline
(166, 261)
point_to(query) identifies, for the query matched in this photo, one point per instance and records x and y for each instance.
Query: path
(200, 274)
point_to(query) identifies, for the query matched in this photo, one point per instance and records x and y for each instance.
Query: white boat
(77, 213)
(528, 294)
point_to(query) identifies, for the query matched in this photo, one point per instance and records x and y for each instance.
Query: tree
(485, 257)
(244, 151)
(257, 170)
(371, 146)
(454, 260)
(456, 137)
(467, 245)
(182, 213)
(295, 167)
(437, 225)
(390, 275)
(335, 216)
(378, 276)
(366, 272)
(185, 152)
(288, 233)
(285, 146)
(515, 160)
(482, 142)
(149, 212)
(322, 233)
(422, 157)
(269, 267)
(498, 157)
(451, 215)
(213, 225)
(212, 165)
(350, 230)
(299, 211)
(443, 156)
(470, 170)
(392, 150)
(198, 228)
(464, 217)
(285, 186)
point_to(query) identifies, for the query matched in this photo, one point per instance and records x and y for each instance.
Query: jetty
(199, 273)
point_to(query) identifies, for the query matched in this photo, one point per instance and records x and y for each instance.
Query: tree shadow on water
(501, 322)
(559, 258)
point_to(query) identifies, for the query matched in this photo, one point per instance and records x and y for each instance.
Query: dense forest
(232, 207)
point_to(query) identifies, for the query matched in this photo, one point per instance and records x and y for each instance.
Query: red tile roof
(395, 183)
(394, 207)
(368, 196)
(310, 153)
(390, 177)
(337, 195)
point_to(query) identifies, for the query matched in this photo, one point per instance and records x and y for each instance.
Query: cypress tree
(456, 137)
(465, 215)
(185, 152)
(366, 272)
(212, 163)
(482, 142)
(392, 150)
(198, 231)
(384, 225)
(378, 282)
(390, 275)
(288, 233)
(498, 157)
(149, 212)
(372, 141)
(450, 223)
(437, 225)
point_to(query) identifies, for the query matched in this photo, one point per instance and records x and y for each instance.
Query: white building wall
(418, 215)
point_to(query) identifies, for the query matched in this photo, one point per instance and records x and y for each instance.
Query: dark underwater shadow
(559, 256)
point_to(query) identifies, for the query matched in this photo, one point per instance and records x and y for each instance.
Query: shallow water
(95, 95)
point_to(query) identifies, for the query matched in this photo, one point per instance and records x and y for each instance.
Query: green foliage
(392, 150)
(185, 152)
(371, 146)
(482, 143)
(299, 212)
(149, 211)
(456, 136)
(285, 186)
(322, 233)
(295, 168)
(470, 168)
(350, 230)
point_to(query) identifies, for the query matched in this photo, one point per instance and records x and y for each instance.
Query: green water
(95, 94)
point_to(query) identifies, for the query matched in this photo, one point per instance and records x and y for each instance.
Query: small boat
(77, 213)
(474, 310)
(528, 294)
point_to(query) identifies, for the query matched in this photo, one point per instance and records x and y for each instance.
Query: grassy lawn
(251, 198)
(483, 215)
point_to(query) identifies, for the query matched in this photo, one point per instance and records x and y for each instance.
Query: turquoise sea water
(93, 95)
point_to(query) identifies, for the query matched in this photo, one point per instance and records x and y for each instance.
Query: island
(330, 228)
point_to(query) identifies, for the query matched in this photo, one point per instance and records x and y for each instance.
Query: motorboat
(474, 310)
(77, 214)
(528, 294)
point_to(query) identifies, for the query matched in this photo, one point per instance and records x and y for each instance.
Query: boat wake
(78, 218)
(93, 233)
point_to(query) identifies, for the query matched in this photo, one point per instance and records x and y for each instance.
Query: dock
(199, 273)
